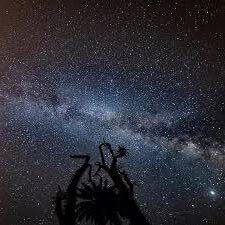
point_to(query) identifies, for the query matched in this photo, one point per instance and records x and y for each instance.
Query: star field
(145, 74)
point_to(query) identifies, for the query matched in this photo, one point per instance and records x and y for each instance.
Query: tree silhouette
(103, 197)
(99, 205)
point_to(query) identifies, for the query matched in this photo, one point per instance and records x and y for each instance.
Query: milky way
(148, 75)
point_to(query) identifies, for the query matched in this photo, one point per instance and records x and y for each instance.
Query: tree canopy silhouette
(100, 193)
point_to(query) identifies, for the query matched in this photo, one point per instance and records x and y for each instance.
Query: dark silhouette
(103, 197)
(66, 213)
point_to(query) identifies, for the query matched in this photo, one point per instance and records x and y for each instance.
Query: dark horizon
(146, 74)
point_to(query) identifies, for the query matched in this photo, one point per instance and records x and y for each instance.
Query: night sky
(149, 75)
